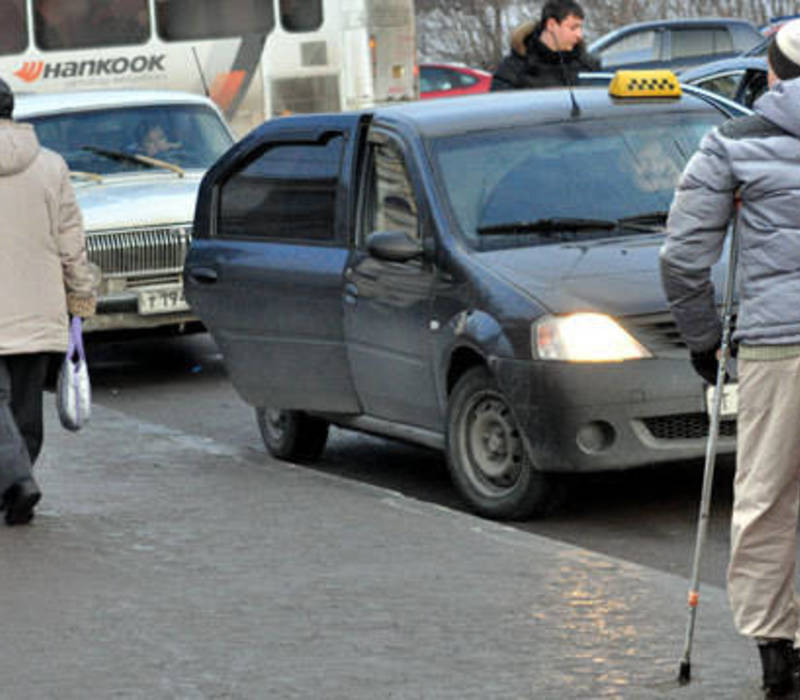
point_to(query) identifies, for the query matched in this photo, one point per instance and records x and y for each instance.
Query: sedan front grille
(657, 331)
(139, 252)
(686, 426)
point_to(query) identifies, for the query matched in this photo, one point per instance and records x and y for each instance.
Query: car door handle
(203, 275)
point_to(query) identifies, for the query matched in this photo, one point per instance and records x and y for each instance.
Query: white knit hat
(784, 51)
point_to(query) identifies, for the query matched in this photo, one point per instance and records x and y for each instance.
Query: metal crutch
(685, 672)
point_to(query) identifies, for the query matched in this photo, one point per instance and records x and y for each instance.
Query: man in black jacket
(547, 54)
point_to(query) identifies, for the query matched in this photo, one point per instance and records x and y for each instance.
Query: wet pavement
(167, 565)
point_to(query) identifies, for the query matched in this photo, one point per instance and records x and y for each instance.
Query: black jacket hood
(526, 42)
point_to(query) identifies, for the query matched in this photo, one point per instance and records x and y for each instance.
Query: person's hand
(706, 363)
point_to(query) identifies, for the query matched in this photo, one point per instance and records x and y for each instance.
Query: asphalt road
(645, 516)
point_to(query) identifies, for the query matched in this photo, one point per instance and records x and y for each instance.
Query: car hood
(134, 201)
(726, 64)
(620, 277)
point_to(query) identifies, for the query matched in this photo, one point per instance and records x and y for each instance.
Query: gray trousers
(22, 380)
(761, 573)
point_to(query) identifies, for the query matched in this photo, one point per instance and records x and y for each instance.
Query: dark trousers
(22, 379)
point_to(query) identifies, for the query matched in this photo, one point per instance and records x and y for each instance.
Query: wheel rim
(275, 423)
(493, 452)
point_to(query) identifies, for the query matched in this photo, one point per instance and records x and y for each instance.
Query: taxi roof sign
(645, 83)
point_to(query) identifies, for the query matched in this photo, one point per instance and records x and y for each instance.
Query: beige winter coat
(43, 266)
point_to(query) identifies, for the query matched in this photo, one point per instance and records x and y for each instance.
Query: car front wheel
(292, 435)
(486, 455)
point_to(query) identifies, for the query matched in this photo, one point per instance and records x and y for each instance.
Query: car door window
(691, 42)
(638, 46)
(288, 192)
(755, 85)
(434, 79)
(464, 80)
(390, 204)
(723, 41)
(726, 84)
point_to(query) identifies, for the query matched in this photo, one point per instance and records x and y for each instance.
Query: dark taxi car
(478, 275)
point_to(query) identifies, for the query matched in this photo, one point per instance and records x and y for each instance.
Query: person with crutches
(758, 158)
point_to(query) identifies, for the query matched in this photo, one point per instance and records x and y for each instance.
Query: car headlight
(584, 337)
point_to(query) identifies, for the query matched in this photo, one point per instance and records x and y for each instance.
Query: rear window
(186, 20)
(13, 27)
(83, 24)
(597, 169)
(301, 15)
(700, 42)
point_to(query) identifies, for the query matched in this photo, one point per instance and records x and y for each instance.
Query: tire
(486, 455)
(293, 436)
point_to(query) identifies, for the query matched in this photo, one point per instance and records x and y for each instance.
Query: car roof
(32, 104)
(447, 116)
(683, 22)
(601, 41)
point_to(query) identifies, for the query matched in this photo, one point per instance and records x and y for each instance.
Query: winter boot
(778, 664)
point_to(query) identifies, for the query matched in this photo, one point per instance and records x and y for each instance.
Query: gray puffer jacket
(758, 155)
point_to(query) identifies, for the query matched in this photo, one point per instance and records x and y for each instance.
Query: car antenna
(576, 110)
(200, 71)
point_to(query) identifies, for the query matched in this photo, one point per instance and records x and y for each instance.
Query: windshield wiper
(84, 175)
(134, 158)
(557, 225)
(647, 221)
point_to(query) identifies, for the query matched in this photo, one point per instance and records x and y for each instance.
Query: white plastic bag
(73, 390)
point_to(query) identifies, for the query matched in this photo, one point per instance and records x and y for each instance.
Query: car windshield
(503, 184)
(97, 140)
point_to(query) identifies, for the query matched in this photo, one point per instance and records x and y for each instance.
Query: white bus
(255, 58)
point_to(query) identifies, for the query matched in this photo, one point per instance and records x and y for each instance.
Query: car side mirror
(393, 246)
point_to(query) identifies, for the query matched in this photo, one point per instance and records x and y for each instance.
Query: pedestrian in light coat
(758, 157)
(44, 275)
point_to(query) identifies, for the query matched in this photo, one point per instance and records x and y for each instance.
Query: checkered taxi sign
(645, 83)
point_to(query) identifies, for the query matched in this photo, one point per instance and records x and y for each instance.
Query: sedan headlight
(584, 337)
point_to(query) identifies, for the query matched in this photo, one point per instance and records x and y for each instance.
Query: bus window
(301, 15)
(13, 27)
(182, 20)
(83, 24)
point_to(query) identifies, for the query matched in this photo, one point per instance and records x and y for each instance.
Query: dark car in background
(674, 43)
(478, 276)
(450, 80)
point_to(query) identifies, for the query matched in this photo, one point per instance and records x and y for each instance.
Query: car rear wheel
(486, 455)
(292, 435)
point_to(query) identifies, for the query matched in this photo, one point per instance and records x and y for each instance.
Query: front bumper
(121, 312)
(609, 416)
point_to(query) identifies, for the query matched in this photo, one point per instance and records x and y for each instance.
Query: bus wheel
(292, 435)
(486, 455)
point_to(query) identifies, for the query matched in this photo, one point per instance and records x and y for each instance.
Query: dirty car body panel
(421, 314)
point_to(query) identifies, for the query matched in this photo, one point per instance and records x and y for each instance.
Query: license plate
(161, 300)
(730, 400)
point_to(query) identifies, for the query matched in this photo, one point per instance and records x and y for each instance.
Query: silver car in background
(136, 159)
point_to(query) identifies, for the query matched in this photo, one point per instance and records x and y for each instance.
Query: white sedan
(137, 158)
